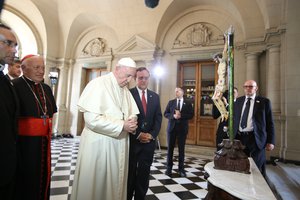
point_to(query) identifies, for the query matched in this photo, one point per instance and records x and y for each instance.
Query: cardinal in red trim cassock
(37, 106)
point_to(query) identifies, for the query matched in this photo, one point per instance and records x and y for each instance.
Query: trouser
(7, 191)
(140, 161)
(178, 133)
(251, 150)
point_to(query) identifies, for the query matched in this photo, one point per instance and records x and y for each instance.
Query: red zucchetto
(27, 56)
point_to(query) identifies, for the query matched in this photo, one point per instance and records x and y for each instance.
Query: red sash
(30, 126)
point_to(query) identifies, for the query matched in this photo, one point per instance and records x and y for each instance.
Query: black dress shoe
(68, 135)
(168, 172)
(182, 173)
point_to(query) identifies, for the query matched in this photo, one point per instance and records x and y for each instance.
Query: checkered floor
(64, 154)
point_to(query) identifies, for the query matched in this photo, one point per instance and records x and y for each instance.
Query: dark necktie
(178, 105)
(245, 114)
(144, 103)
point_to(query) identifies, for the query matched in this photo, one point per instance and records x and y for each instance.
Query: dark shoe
(182, 173)
(168, 172)
(68, 135)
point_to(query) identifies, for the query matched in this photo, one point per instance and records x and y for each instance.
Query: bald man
(37, 106)
(178, 112)
(109, 112)
(254, 125)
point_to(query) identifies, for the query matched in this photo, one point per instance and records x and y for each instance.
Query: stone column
(273, 77)
(61, 99)
(46, 75)
(252, 66)
(149, 66)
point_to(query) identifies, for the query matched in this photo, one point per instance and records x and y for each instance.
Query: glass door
(197, 79)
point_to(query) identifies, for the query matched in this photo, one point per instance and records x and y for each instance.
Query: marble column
(61, 100)
(273, 77)
(252, 66)
(149, 66)
(46, 74)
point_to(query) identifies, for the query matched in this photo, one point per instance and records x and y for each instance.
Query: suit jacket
(151, 122)
(8, 133)
(187, 112)
(263, 125)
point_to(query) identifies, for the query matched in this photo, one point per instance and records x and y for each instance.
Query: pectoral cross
(44, 117)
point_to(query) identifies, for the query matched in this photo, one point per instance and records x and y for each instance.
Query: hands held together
(130, 125)
(145, 137)
(177, 114)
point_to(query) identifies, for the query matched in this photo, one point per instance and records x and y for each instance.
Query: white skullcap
(128, 62)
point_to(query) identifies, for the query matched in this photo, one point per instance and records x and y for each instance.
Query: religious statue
(231, 156)
(221, 85)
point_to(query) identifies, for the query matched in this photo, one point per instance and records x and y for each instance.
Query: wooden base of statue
(231, 157)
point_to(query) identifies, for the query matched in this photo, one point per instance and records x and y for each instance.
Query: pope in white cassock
(102, 163)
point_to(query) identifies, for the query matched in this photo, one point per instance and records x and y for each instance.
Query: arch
(244, 16)
(194, 16)
(85, 27)
(29, 38)
(272, 12)
(104, 32)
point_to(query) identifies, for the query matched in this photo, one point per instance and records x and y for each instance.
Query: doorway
(92, 73)
(198, 80)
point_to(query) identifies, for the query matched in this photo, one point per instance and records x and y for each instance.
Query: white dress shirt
(249, 127)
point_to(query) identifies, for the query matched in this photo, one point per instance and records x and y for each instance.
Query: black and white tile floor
(194, 186)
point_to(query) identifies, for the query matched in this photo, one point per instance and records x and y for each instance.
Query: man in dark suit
(8, 116)
(14, 69)
(142, 143)
(178, 111)
(253, 124)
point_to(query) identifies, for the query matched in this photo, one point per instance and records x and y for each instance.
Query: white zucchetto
(128, 62)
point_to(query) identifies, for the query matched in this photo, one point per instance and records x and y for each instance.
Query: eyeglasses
(249, 86)
(9, 43)
(143, 78)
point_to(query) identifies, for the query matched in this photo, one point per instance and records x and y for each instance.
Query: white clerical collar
(30, 80)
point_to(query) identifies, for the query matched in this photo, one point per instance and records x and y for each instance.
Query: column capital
(273, 48)
(63, 67)
(252, 54)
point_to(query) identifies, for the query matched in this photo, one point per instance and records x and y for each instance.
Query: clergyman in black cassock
(37, 106)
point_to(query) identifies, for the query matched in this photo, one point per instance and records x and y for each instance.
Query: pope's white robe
(102, 163)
